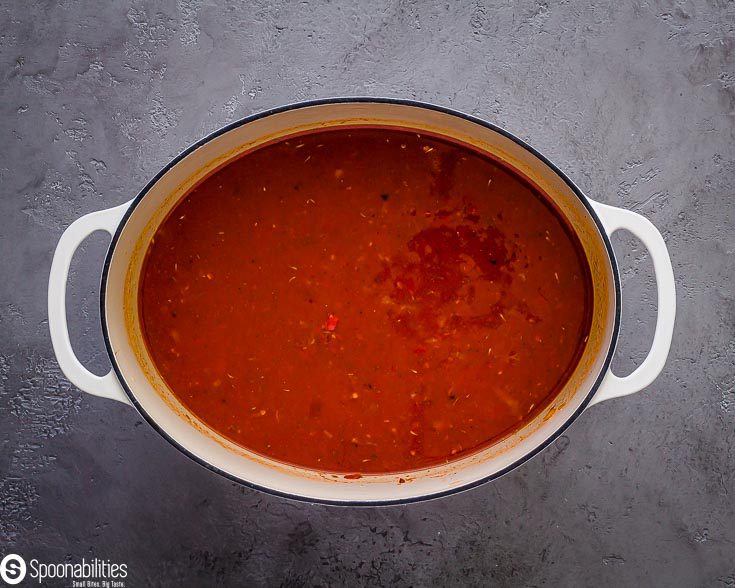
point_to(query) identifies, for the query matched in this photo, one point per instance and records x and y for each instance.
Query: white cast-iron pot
(134, 379)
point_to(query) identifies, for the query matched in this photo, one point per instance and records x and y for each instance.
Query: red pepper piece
(331, 323)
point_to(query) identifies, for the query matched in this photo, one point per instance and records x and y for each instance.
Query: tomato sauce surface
(364, 300)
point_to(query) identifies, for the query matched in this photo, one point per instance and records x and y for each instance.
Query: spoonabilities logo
(12, 569)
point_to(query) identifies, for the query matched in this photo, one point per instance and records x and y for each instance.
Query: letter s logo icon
(12, 569)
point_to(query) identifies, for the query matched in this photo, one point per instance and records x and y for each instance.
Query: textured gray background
(634, 101)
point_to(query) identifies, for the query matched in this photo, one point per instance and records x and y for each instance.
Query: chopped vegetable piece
(331, 323)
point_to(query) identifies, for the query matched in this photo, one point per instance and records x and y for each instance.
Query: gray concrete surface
(633, 99)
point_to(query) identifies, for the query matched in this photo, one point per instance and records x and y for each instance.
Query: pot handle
(614, 219)
(106, 386)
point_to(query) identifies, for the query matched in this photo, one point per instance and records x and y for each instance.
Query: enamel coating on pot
(143, 387)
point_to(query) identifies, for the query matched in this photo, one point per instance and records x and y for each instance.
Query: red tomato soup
(365, 300)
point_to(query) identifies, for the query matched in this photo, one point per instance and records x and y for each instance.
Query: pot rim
(381, 100)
